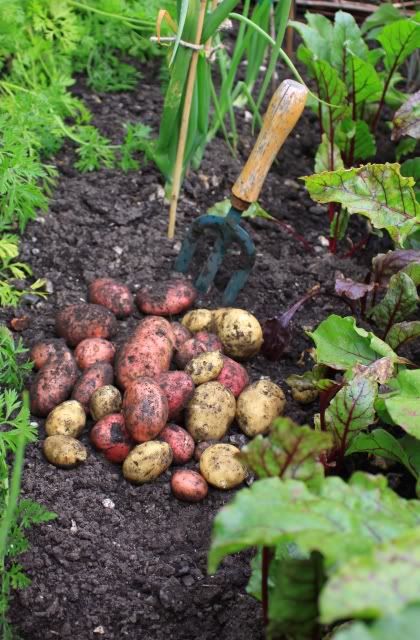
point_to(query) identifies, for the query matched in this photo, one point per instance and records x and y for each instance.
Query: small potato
(64, 451)
(258, 405)
(181, 333)
(147, 461)
(189, 486)
(210, 411)
(178, 388)
(180, 441)
(205, 367)
(201, 447)
(113, 295)
(93, 350)
(202, 342)
(233, 376)
(111, 436)
(210, 340)
(67, 419)
(79, 321)
(198, 320)
(166, 298)
(53, 383)
(104, 401)
(304, 396)
(145, 409)
(99, 375)
(42, 351)
(221, 466)
(240, 333)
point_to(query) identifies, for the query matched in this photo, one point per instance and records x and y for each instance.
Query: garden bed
(125, 561)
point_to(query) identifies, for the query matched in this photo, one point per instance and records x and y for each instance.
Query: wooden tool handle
(283, 112)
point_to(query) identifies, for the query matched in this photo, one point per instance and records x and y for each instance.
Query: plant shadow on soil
(124, 561)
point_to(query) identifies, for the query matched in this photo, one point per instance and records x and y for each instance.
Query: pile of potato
(178, 386)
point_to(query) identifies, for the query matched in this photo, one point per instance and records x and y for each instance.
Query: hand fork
(283, 112)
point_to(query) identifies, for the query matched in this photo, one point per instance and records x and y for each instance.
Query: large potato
(145, 409)
(53, 383)
(233, 376)
(258, 405)
(64, 451)
(113, 295)
(80, 321)
(205, 367)
(111, 436)
(210, 411)
(180, 441)
(240, 333)
(218, 315)
(93, 350)
(99, 375)
(147, 461)
(104, 401)
(166, 298)
(42, 351)
(178, 388)
(67, 419)
(221, 466)
(189, 486)
(198, 320)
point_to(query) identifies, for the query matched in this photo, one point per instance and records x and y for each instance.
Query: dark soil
(130, 562)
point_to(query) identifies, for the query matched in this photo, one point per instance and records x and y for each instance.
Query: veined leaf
(364, 142)
(407, 119)
(403, 404)
(403, 332)
(346, 40)
(384, 265)
(403, 148)
(413, 271)
(323, 159)
(377, 191)
(361, 76)
(400, 301)
(315, 34)
(399, 39)
(401, 625)
(348, 288)
(377, 584)
(384, 14)
(379, 371)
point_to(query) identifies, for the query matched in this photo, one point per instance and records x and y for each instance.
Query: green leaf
(346, 40)
(364, 143)
(323, 156)
(315, 34)
(412, 270)
(403, 148)
(361, 76)
(377, 584)
(399, 39)
(407, 119)
(403, 332)
(399, 302)
(384, 14)
(403, 404)
(351, 410)
(404, 625)
(340, 344)
(377, 191)
(384, 265)
(338, 521)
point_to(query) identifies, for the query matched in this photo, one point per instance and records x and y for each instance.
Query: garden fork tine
(283, 112)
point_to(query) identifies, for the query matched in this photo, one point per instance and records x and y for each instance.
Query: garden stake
(282, 114)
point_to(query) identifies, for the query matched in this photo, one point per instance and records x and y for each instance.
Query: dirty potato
(147, 461)
(198, 320)
(80, 321)
(181, 333)
(113, 295)
(180, 441)
(205, 367)
(64, 451)
(258, 405)
(145, 409)
(53, 383)
(67, 419)
(110, 436)
(233, 376)
(210, 411)
(189, 486)
(93, 350)
(240, 333)
(105, 400)
(178, 388)
(97, 376)
(166, 298)
(221, 466)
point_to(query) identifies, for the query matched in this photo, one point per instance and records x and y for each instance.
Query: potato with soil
(198, 320)
(201, 447)
(166, 298)
(205, 367)
(180, 441)
(147, 461)
(80, 321)
(233, 376)
(99, 375)
(221, 466)
(104, 401)
(64, 451)
(111, 436)
(113, 295)
(240, 333)
(94, 350)
(178, 388)
(181, 333)
(189, 486)
(53, 383)
(258, 405)
(42, 351)
(210, 411)
(67, 419)
(201, 343)
(145, 409)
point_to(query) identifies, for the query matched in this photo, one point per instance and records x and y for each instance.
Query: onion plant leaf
(407, 119)
(399, 302)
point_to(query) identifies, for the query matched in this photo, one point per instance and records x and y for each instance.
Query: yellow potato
(67, 419)
(240, 333)
(258, 405)
(64, 451)
(205, 367)
(147, 461)
(198, 320)
(104, 401)
(218, 315)
(221, 467)
(304, 396)
(210, 411)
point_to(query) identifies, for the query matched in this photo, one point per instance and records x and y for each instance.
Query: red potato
(113, 295)
(180, 441)
(167, 298)
(110, 435)
(80, 321)
(53, 383)
(181, 333)
(93, 350)
(99, 375)
(202, 342)
(155, 325)
(145, 409)
(189, 486)
(210, 340)
(42, 351)
(233, 376)
(178, 388)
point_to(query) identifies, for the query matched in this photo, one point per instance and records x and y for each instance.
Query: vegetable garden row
(232, 451)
